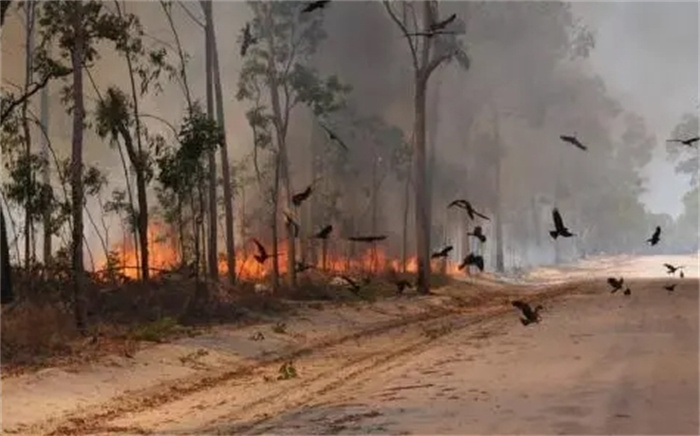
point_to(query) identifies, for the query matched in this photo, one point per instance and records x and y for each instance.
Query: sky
(647, 53)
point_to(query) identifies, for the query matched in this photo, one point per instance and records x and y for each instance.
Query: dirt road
(459, 363)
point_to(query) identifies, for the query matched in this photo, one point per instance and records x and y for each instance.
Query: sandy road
(598, 363)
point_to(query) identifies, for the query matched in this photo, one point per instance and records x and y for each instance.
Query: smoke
(523, 85)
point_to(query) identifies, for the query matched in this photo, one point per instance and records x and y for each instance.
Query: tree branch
(26, 96)
(404, 31)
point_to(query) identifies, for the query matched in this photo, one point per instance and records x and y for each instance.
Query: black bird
(529, 315)
(442, 253)
(689, 142)
(6, 294)
(670, 288)
(289, 221)
(248, 40)
(324, 232)
(574, 141)
(299, 198)
(464, 204)
(682, 275)
(559, 227)
(472, 259)
(262, 255)
(616, 284)
(440, 25)
(334, 137)
(312, 6)
(402, 284)
(672, 269)
(301, 267)
(372, 238)
(478, 233)
(656, 237)
(354, 287)
(627, 291)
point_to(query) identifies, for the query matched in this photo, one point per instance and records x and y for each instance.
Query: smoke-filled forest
(182, 160)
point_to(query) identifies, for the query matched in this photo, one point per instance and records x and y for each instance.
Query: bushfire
(164, 255)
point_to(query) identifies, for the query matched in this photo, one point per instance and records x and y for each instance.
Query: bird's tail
(525, 321)
(553, 234)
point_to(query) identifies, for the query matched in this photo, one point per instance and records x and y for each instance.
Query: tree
(429, 50)
(76, 27)
(279, 62)
(686, 158)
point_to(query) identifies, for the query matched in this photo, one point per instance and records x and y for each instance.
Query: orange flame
(164, 255)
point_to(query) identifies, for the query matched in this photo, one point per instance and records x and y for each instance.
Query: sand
(598, 363)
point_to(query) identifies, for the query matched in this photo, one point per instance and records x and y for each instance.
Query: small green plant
(287, 371)
(157, 331)
(280, 328)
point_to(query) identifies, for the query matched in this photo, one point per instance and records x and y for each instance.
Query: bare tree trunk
(275, 228)
(225, 169)
(77, 194)
(500, 267)
(421, 206)
(404, 230)
(211, 154)
(29, 72)
(46, 215)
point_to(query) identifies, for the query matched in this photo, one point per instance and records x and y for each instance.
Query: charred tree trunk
(421, 202)
(29, 72)
(499, 198)
(275, 227)
(404, 229)
(212, 249)
(46, 215)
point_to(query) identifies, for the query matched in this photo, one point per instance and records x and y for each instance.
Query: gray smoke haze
(640, 78)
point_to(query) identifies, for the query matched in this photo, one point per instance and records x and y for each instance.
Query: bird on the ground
(689, 142)
(440, 25)
(472, 259)
(290, 222)
(616, 284)
(262, 254)
(354, 286)
(248, 40)
(573, 140)
(672, 269)
(442, 253)
(312, 6)
(333, 137)
(402, 285)
(559, 227)
(300, 197)
(670, 288)
(301, 266)
(478, 233)
(370, 238)
(464, 204)
(656, 237)
(627, 291)
(324, 232)
(530, 315)
(682, 275)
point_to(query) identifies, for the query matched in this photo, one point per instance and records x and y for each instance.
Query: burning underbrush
(122, 310)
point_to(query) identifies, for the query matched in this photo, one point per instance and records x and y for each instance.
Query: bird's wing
(521, 305)
(558, 222)
(612, 282)
(657, 232)
(349, 280)
(674, 140)
(261, 249)
(481, 215)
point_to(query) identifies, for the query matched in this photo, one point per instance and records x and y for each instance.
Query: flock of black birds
(530, 315)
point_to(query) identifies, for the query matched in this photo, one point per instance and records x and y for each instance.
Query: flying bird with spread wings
(689, 142)
(655, 237)
(314, 5)
(573, 140)
(559, 227)
(464, 204)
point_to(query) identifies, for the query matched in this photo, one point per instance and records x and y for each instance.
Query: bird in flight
(312, 6)
(573, 140)
(440, 25)
(464, 204)
(248, 40)
(689, 142)
(302, 196)
(670, 269)
(478, 233)
(261, 256)
(324, 232)
(335, 138)
(530, 315)
(655, 237)
(442, 253)
(472, 259)
(670, 288)
(372, 238)
(616, 284)
(559, 227)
